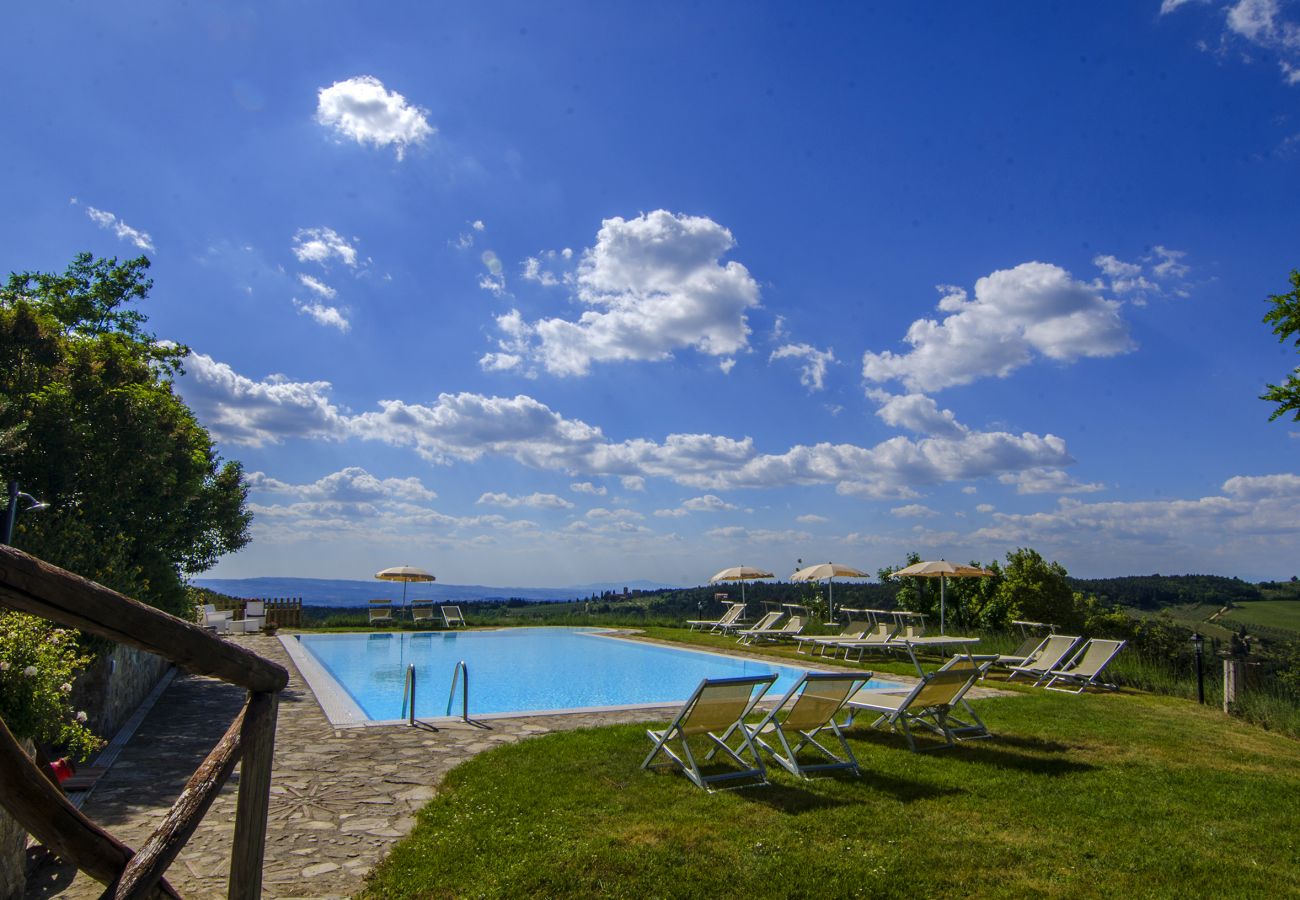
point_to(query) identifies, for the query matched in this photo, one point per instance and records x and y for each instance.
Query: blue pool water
(523, 670)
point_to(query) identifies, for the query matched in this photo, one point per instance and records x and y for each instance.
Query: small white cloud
(478, 225)
(122, 230)
(970, 489)
(707, 503)
(536, 500)
(361, 109)
(1047, 481)
(812, 374)
(985, 508)
(495, 279)
(676, 513)
(917, 413)
(913, 511)
(318, 286)
(632, 483)
(726, 365)
(330, 316)
(320, 245)
(586, 487)
(812, 519)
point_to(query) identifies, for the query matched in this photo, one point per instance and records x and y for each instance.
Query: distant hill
(1151, 592)
(342, 592)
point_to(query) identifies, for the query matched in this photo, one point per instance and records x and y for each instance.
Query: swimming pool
(359, 678)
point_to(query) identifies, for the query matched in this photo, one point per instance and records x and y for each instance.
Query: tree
(1036, 590)
(1285, 319)
(139, 497)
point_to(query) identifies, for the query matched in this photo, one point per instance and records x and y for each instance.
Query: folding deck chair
(1031, 644)
(728, 617)
(763, 625)
(381, 611)
(929, 704)
(808, 709)
(1086, 666)
(1048, 657)
(423, 613)
(451, 617)
(852, 631)
(717, 707)
(790, 630)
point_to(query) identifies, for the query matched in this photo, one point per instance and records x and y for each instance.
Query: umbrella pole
(830, 598)
(942, 627)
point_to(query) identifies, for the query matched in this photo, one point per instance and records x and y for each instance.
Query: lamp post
(11, 511)
(1197, 646)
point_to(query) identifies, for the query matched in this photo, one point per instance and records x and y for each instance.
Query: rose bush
(38, 663)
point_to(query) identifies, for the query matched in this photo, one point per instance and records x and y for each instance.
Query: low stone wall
(114, 685)
(13, 856)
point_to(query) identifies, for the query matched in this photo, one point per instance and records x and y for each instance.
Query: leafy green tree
(1036, 590)
(139, 497)
(1285, 319)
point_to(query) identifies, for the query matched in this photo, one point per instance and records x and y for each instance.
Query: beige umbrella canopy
(828, 571)
(741, 574)
(404, 574)
(943, 570)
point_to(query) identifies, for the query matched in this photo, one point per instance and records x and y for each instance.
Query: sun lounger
(766, 624)
(852, 631)
(1086, 666)
(254, 618)
(876, 639)
(452, 618)
(715, 708)
(808, 709)
(1027, 650)
(422, 614)
(381, 612)
(789, 631)
(729, 617)
(929, 704)
(1048, 657)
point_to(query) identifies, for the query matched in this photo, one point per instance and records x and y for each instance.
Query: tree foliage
(1285, 319)
(138, 496)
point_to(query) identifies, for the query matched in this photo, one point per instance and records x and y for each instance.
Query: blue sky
(532, 295)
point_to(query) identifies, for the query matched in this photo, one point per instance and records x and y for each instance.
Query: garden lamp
(11, 511)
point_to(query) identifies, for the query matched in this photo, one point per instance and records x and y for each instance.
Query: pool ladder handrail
(409, 691)
(460, 669)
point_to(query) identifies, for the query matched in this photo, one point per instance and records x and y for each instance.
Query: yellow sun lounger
(717, 707)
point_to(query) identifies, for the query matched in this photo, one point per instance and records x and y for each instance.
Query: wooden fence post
(254, 797)
(1234, 681)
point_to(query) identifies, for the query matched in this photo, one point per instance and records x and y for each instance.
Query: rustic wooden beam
(254, 797)
(145, 869)
(34, 586)
(42, 810)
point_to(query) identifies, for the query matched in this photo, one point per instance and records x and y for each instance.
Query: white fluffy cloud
(586, 487)
(363, 110)
(349, 485)
(1016, 314)
(653, 285)
(917, 413)
(811, 519)
(316, 286)
(913, 511)
(243, 411)
(812, 374)
(1260, 24)
(535, 500)
(329, 316)
(1159, 273)
(469, 426)
(110, 222)
(1048, 481)
(320, 245)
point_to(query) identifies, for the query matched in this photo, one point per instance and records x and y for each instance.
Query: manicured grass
(1094, 795)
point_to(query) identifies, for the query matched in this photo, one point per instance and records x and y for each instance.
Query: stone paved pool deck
(340, 797)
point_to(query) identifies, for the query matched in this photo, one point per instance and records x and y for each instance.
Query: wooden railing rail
(33, 586)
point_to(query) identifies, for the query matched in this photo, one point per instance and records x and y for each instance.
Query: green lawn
(1094, 795)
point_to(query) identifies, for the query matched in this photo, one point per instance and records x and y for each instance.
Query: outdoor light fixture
(11, 511)
(1197, 645)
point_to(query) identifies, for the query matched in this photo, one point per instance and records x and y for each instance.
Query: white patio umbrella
(943, 570)
(404, 574)
(828, 571)
(741, 574)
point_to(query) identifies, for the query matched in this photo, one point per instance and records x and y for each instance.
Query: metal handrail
(409, 690)
(464, 693)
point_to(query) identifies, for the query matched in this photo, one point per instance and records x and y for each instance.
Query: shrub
(38, 663)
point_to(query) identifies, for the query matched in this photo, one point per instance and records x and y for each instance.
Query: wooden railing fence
(283, 612)
(30, 585)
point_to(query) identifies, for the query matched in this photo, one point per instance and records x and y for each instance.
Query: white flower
(30, 671)
(66, 688)
(4, 665)
(81, 717)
